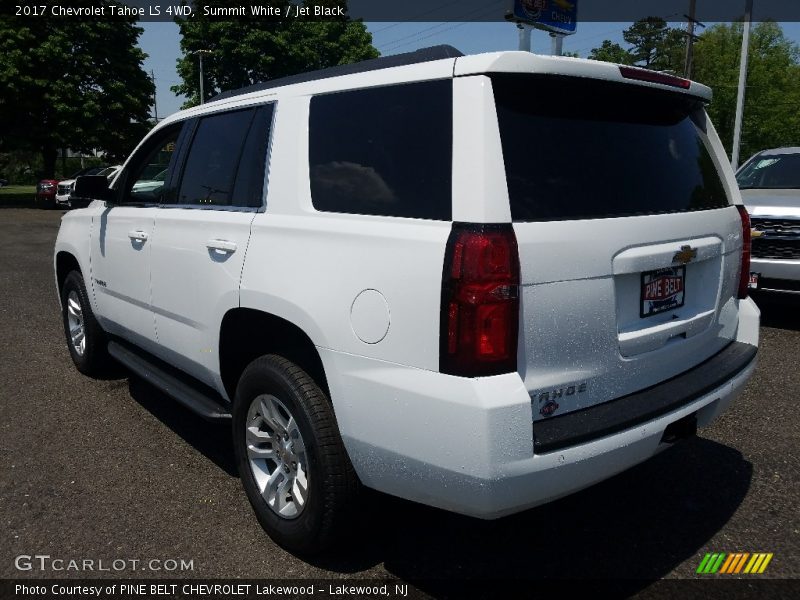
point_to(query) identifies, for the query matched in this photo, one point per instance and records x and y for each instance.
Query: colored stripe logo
(734, 563)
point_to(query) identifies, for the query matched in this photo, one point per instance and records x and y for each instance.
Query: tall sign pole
(737, 127)
(556, 44)
(524, 37)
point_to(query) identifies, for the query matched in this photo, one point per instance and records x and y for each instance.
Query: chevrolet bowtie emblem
(684, 255)
(754, 233)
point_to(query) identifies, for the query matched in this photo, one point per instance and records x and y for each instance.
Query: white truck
(476, 282)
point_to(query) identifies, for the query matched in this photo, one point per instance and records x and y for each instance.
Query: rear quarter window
(581, 149)
(383, 151)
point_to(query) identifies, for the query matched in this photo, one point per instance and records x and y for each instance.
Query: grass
(17, 195)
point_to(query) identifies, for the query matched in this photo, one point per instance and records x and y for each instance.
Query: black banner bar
(706, 587)
(398, 10)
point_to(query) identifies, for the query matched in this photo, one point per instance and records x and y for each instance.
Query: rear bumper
(467, 445)
(646, 405)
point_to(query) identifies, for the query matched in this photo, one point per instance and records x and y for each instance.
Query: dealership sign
(556, 16)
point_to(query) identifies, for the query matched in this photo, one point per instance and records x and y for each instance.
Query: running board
(199, 402)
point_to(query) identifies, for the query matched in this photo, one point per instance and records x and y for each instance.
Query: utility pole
(155, 104)
(691, 38)
(200, 54)
(737, 126)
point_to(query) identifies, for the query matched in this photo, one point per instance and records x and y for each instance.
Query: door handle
(139, 236)
(221, 245)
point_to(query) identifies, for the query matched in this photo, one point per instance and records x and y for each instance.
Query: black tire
(94, 359)
(332, 484)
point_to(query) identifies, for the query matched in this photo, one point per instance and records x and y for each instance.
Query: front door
(121, 252)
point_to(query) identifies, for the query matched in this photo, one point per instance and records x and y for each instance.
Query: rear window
(771, 171)
(383, 151)
(581, 149)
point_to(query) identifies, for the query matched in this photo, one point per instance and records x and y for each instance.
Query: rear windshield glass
(771, 171)
(580, 149)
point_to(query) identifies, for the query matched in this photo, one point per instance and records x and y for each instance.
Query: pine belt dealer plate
(663, 289)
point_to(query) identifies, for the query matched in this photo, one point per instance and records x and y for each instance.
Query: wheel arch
(66, 262)
(247, 333)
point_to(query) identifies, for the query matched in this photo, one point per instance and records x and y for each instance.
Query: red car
(46, 193)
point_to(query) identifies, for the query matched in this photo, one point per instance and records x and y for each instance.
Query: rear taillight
(744, 276)
(480, 301)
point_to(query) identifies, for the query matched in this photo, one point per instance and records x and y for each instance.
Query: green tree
(647, 37)
(654, 45)
(772, 99)
(69, 83)
(671, 52)
(611, 52)
(247, 51)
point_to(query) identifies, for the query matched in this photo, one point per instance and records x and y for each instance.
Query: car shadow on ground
(780, 311)
(636, 527)
(212, 439)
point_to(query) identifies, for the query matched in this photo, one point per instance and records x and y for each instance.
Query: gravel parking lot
(113, 469)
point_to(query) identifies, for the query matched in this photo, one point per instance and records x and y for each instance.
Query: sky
(161, 41)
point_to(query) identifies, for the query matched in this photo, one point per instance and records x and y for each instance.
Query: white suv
(476, 282)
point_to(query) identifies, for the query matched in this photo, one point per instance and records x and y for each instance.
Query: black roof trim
(384, 62)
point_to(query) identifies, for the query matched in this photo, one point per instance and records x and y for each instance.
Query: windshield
(772, 171)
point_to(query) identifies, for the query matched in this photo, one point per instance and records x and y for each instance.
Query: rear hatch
(629, 247)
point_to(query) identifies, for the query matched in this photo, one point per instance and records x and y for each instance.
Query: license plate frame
(668, 276)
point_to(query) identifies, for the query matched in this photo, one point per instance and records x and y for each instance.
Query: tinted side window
(249, 187)
(581, 149)
(215, 153)
(383, 151)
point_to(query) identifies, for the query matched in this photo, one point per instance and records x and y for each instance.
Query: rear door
(202, 232)
(629, 248)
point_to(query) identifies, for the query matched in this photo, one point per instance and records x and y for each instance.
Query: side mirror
(88, 188)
